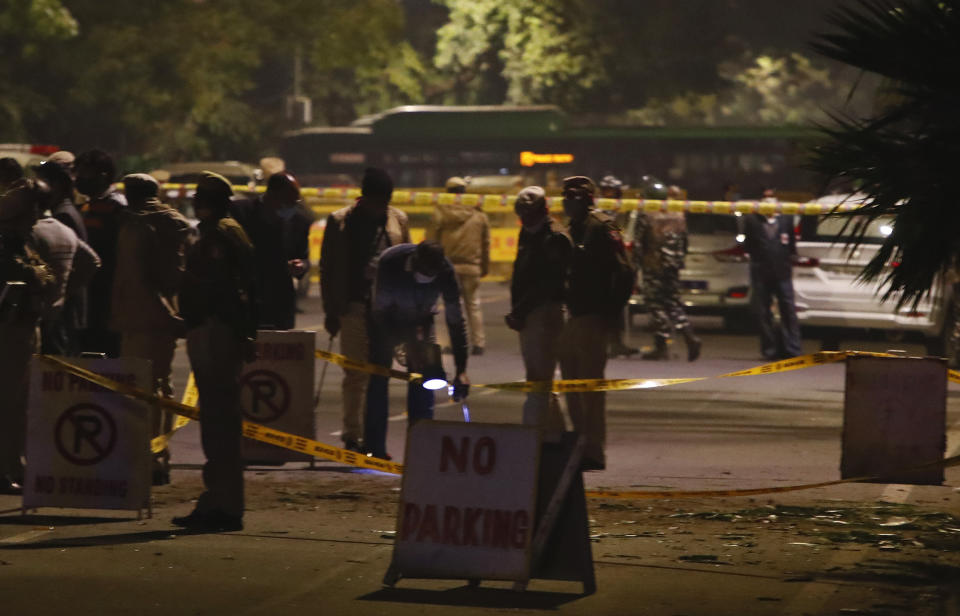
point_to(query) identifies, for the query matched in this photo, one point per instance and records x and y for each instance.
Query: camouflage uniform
(661, 244)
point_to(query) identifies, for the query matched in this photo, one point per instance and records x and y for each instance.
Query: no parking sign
(276, 390)
(87, 447)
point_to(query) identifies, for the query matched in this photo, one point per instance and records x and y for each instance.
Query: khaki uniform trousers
(159, 349)
(355, 344)
(539, 345)
(216, 357)
(18, 341)
(583, 355)
(469, 285)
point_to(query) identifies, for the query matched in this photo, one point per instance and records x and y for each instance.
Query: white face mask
(422, 278)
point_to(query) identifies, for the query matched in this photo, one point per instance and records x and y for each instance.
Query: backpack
(623, 278)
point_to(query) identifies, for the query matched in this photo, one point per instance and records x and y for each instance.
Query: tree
(771, 90)
(903, 157)
(521, 52)
(192, 79)
(26, 26)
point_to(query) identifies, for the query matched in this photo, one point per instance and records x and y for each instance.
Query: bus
(422, 145)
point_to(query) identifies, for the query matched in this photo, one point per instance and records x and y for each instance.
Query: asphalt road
(740, 432)
(319, 541)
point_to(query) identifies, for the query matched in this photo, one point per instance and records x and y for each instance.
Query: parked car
(830, 294)
(716, 276)
(26, 154)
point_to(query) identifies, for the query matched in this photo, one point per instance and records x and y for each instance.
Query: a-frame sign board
(484, 502)
(565, 553)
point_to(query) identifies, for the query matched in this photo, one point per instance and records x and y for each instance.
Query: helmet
(611, 181)
(653, 188)
(610, 186)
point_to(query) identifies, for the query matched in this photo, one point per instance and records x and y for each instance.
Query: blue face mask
(286, 212)
(423, 278)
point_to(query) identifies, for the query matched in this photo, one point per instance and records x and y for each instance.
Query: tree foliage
(590, 55)
(191, 79)
(26, 26)
(902, 157)
(762, 90)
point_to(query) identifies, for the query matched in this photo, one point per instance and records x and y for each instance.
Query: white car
(716, 276)
(829, 292)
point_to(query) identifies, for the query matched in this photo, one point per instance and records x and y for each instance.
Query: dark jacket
(341, 260)
(219, 278)
(772, 246)
(400, 303)
(540, 269)
(277, 241)
(101, 217)
(593, 265)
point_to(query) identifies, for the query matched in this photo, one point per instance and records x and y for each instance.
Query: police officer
(216, 303)
(26, 287)
(151, 246)
(101, 217)
(593, 307)
(772, 245)
(464, 232)
(410, 279)
(354, 237)
(280, 234)
(660, 245)
(536, 301)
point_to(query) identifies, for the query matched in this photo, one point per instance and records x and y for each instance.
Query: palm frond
(906, 157)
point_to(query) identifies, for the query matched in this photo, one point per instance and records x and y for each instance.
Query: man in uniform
(594, 301)
(536, 302)
(409, 280)
(27, 286)
(280, 234)
(464, 233)
(354, 237)
(217, 307)
(151, 246)
(661, 244)
(101, 217)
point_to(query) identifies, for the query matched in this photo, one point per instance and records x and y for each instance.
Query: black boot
(659, 350)
(693, 344)
(617, 348)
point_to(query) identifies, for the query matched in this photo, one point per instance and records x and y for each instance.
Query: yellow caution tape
(361, 366)
(251, 430)
(190, 398)
(427, 199)
(590, 385)
(321, 450)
